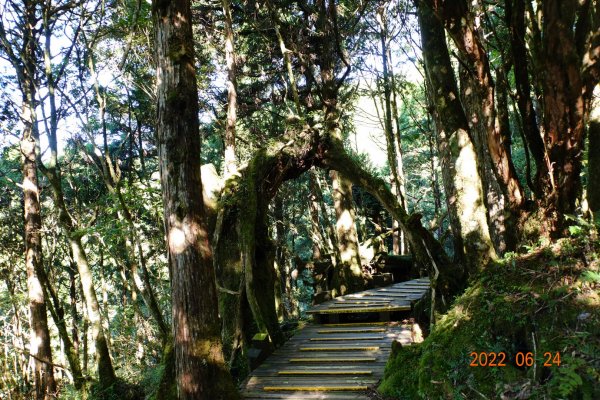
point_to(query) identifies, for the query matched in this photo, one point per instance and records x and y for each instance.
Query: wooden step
(333, 339)
(352, 305)
(315, 388)
(348, 302)
(333, 360)
(324, 372)
(358, 324)
(262, 395)
(390, 308)
(358, 330)
(362, 348)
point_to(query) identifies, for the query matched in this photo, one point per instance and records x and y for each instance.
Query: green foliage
(121, 390)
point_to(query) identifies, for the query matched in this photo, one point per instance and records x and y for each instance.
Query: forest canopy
(182, 177)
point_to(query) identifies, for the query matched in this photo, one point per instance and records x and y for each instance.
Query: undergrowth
(545, 301)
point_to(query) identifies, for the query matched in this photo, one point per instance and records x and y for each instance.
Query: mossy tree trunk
(490, 145)
(463, 187)
(570, 71)
(280, 258)
(231, 286)
(347, 277)
(200, 368)
(287, 159)
(494, 200)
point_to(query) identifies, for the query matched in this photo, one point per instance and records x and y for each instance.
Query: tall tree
(51, 16)
(230, 58)
(463, 188)
(40, 346)
(570, 65)
(199, 364)
(348, 277)
(390, 114)
(496, 168)
(593, 186)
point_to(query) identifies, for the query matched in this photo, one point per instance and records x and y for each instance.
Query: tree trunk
(40, 346)
(493, 197)
(199, 364)
(280, 263)
(71, 351)
(330, 239)
(593, 185)
(106, 372)
(393, 149)
(230, 160)
(461, 25)
(515, 20)
(348, 275)
(463, 188)
(318, 241)
(566, 99)
(232, 293)
(53, 173)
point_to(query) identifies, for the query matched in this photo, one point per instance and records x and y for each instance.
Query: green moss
(161, 383)
(539, 302)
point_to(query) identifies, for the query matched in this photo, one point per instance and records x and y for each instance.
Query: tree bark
(348, 276)
(230, 279)
(200, 367)
(566, 100)
(230, 160)
(459, 22)
(57, 313)
(463, 188)
(40, 346)
(515, 20)
(593, 184)
(392, 139)
(494, 199)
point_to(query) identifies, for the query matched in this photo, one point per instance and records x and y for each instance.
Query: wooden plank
(357, 330)
(330, 359)
(358, 324)
(398, 307)
(323, 339)
(333, 356)
(325, 372)
(316, 388)
(374, 304)
(305, 395)
(354, 348)
(358, 303)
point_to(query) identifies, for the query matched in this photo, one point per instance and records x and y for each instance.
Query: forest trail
(336, 360)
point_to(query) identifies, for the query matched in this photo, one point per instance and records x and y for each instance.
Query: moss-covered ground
(545, 301)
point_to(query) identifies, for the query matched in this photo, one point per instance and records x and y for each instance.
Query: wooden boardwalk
(337, 361)
(385, 300)
(330, 361)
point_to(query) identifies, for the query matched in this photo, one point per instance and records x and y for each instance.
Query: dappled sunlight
(186, 233)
